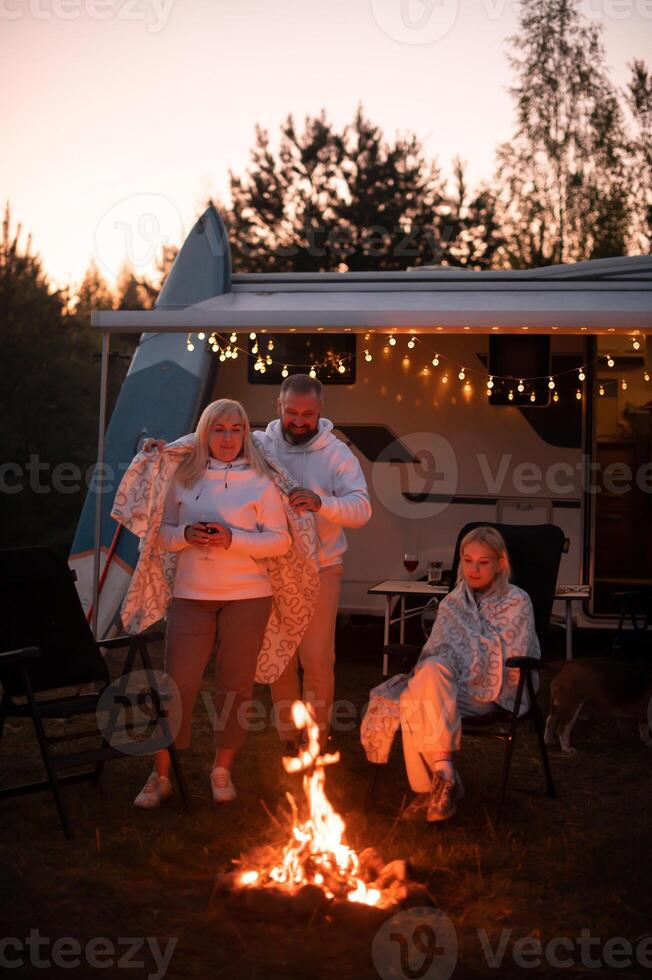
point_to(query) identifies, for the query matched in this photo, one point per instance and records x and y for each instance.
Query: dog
(611, 687)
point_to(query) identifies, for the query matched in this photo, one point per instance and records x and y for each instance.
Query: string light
(551, 384)
(533, 397)
(270, 345)
(646, 376)
(189, 343)
(268, 359)
(201, 336)
(285, 372)
(578, 395)
(490, 383)
(601, 390)
(367, 356)
(233, 338)
(444, 379)
(411, 343)
(610, 361)
(555, 397)
(636, 345)
(312, 373)
(435, 360)
(623, 385)
(392, 341)
(252, 335)
(581, 375)
(254, 349)
(462, 375)
(511, 395)
(521, 386)
(341, 368)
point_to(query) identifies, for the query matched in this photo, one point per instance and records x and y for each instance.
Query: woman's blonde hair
(196, 462)
(493, 539)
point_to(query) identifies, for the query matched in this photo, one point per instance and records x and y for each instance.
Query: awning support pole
(99, 480)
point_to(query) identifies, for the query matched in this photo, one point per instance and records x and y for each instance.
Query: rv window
(520, 358)
(332, 356)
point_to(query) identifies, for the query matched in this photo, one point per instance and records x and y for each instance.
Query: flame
(316, 852)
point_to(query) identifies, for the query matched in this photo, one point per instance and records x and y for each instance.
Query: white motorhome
(521, 397)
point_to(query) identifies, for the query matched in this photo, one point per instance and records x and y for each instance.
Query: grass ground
(551, 868)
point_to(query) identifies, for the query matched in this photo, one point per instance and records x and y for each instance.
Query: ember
(316, 868)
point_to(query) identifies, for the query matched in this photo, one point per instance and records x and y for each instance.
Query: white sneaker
(223, 788)
(154, 792)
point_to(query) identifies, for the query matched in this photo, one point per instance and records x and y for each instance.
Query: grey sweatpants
(194, 625)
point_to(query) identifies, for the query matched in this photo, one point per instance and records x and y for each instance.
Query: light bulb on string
(581, 376)
(341, 368)
(623, 385)
(636, 345)
(222, 356)
(270, 345)
(392, 341)
(252, 335)
(367, 356)
(551, 384)
(578, 395)
(216, 348)
(490, 383)
(268, 359)
(521, 387)
(262, 368)
(234, 354)
(189, 343)
(555, 397)
(411, 343)
(254, 349)
(285, 372)
(646, 376)
(510, 396)
(233, 338)
(610, 361)
(533, 397)
(435, 360)
(601, 390)
(312, 373)
(444, 379)
(367, 337)
(462, 375)
(201, 336)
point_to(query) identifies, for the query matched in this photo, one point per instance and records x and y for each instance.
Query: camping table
(401, 588)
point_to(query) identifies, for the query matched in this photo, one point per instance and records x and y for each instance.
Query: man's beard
(299, 438)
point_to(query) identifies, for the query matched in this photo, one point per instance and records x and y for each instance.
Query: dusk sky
(120, 117)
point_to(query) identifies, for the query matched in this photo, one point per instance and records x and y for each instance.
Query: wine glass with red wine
(410, 562)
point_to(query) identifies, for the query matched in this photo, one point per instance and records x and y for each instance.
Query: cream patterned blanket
(294, 577)
(474, 639)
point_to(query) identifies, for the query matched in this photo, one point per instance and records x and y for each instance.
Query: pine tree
(639, 100)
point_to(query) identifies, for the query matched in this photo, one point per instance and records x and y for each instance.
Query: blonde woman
(461, 671)
(224, 517)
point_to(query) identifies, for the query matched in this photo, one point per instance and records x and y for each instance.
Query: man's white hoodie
(326, 466)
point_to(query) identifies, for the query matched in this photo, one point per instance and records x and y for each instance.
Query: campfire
(317, 871)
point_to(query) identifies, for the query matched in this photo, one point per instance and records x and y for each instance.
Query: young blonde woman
(224, 517)
(482, 622)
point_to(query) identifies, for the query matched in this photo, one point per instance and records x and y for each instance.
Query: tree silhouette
(351, 201)
(562, 179)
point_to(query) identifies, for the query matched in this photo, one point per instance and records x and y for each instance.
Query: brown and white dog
(611, 687)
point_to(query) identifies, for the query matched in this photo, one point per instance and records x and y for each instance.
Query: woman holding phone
(224, 517)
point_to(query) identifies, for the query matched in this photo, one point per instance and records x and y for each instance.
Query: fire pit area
(317, 874)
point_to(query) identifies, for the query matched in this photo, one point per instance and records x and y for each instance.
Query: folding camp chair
(48, 645)
(535, 553)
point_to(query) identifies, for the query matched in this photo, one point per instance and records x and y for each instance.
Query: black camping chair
(535, 553)
(635, 606)
(48, 645)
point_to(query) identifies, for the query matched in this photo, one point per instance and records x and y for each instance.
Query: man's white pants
(431, 709)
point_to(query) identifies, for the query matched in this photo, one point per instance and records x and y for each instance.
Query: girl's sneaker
(223, 788)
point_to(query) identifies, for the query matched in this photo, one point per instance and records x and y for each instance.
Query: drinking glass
(411, 562)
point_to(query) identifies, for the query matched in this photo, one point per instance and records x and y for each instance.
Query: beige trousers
(194, 626)
(431, 711)
(316, 655)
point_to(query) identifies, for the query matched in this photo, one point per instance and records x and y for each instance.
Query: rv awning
(588, 296)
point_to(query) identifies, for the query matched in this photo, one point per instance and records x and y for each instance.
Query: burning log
(317, 873)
